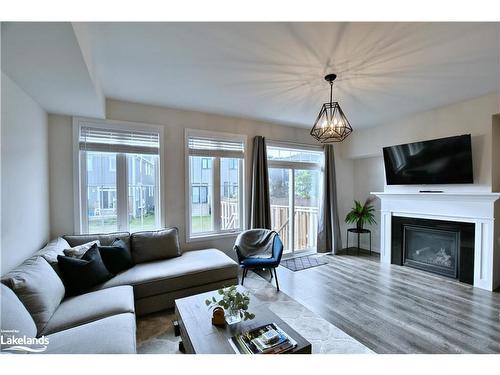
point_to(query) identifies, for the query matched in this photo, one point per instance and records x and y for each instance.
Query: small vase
(232, 317)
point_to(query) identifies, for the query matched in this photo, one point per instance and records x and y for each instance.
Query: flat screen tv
(438, 161)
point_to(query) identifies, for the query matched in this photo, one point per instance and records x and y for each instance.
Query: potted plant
(361, 214)
(234, 303)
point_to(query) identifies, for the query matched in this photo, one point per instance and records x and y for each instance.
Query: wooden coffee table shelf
(199, 336)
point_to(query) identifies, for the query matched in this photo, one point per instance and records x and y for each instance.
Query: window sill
(214, 236)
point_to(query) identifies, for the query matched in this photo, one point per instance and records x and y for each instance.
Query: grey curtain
(260, 209)
(328, 221)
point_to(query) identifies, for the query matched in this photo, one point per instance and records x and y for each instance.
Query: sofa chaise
(103, 320)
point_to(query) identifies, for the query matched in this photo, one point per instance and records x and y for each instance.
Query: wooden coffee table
(199, 336)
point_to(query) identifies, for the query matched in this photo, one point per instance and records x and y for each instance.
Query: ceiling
(47, 61)
(274, 71)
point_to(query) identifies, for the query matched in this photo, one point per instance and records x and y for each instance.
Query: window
(205, 163)
(233, 164)
(195, 194)
(294, 186)
(215, 176)
(199, 194)
(90, 164)
(112, 165)
(230, 190)
(142, 183)
(101, 192)
(119, 176)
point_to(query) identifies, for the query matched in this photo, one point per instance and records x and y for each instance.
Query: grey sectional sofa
(103, 320)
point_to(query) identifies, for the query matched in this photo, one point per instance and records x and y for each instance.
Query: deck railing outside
(306, 222)
(306, 226)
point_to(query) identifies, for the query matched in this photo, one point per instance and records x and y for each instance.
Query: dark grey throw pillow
(155, 245)
(116, 257)
(80, 275)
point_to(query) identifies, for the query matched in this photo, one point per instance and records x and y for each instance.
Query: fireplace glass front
(431, 249)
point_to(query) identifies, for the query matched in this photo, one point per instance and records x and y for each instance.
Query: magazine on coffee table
(266, 339)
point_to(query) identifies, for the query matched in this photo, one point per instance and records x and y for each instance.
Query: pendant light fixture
(331, 124)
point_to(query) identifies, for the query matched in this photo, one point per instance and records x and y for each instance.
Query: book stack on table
(267, 339)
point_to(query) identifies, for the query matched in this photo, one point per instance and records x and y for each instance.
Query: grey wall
(25, 180)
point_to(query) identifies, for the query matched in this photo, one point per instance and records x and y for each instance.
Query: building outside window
(215, 177)
(205, 163)
(294, 186)
(141, 206)
(119, 177)
(112, 166)
(199, 194)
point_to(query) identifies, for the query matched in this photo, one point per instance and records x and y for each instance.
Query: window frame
(294, 166)
(79, 178)
(217, 232)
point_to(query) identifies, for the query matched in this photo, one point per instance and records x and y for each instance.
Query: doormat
(302, 263)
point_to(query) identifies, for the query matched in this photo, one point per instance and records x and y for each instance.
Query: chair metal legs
(276, 278)
(245, 271)
(271, 270)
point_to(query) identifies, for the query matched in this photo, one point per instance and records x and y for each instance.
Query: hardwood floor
(393, 309)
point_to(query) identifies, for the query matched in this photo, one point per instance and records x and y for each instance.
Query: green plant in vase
(234, 303)
(361, 214)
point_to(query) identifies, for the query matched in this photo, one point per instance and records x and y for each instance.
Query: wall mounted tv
(438, 161)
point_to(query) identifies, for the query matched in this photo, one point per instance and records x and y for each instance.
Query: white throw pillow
(78, 251)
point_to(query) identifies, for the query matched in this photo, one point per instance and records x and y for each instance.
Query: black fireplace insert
(442, 247)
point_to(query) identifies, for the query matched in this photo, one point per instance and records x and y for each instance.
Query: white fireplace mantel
(474, 207)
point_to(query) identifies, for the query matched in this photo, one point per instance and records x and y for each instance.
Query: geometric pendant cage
(331, 125)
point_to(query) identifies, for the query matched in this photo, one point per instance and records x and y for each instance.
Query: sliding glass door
(281, 211)
(305, 208)
(294, 184)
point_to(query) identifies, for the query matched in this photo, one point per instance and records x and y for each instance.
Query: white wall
(175, 121)
(344, 169)
(60, 174)
(496, 188)
(25, 181)
(474, 116)
(368, 177)
(358, 161)
(495, 162)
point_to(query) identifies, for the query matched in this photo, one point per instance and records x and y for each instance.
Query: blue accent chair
(263, 263)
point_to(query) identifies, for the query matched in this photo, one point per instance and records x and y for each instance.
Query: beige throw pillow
(78, 251)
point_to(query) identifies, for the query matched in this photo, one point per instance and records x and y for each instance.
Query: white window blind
(216, 147)
(295, 155)
(119, 141)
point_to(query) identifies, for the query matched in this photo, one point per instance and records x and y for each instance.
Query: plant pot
(359, 225)
(232, 317)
